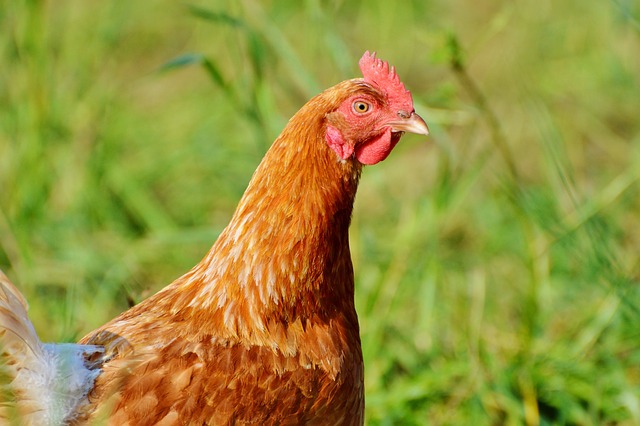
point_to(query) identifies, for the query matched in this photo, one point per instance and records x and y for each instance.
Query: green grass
(497, 264)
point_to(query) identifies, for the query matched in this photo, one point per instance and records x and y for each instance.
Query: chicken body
(264, 329)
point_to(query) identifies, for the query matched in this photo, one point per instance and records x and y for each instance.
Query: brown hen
(264, 329)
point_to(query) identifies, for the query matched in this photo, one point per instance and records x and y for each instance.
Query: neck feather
(284, 256)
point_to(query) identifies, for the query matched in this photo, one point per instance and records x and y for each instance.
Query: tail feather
(41, 384)
(19, 348)
(16, 330)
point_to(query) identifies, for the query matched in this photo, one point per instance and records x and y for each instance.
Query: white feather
(45, 384)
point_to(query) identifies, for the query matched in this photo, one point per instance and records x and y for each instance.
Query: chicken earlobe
(336, 141)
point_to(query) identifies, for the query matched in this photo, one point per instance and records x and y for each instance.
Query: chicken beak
(413, 124)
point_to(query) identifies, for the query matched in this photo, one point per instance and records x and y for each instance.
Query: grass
(497, 265)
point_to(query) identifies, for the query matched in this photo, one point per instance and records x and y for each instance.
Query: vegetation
(497, 263)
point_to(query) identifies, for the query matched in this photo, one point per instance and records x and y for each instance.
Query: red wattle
(377, 149)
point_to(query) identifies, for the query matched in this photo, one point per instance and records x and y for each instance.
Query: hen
(264, 329)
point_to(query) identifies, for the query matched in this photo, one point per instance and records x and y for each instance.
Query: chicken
(264, 329)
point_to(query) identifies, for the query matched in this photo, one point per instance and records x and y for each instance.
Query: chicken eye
(361, 107)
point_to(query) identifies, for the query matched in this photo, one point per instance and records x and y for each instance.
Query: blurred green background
(497, 263)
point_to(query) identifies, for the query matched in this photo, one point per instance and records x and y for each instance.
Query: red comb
(378, 73)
